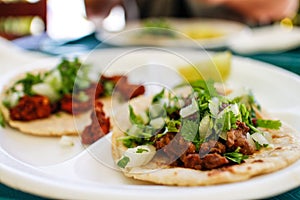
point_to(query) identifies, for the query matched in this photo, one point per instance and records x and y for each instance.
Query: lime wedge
(216, 68)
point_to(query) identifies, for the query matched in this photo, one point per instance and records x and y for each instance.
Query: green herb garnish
(271, 124)
(189, 129)
(2, 120)
(158, 96)
(236, 156)
(134, 119)
(123, 162)
(141, 150)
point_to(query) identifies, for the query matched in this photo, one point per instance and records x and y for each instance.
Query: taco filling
(46, 102)
(67, 88)
(202, 131)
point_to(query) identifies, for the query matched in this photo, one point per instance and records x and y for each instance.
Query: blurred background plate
(171, 32)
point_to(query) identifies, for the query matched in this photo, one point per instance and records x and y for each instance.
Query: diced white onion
(213, 106)
(250, 140)
(54, 79)
(156, 110)
(223, 135)
(13, 98)
(258, 137)
(142, 158)
(157, 123)
(204, 126)
(45, 90)
(235, 109)
(268, 136)
(66, 141)
(144, 117)
(189, 110)
(134, 130)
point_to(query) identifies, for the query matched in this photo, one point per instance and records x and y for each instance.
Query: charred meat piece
(127, 90)
(212, 146)
(72, 105)
(113, 79)
(98, 128)
(31, 108)
(238, 138)
(192, 161)
(94, 91)
(212, 161)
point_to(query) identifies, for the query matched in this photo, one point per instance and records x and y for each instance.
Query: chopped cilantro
(189, 129)
(74, 75)
(28, 82)
(123, 162)
(141, 150)
(158, 96)
(236, 156)
(271, 124)
(128, 141)
(134, 119)
(207, 86)
(108, 87)
(172, 125)
(2, 121)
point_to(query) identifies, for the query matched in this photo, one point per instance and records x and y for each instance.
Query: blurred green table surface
(289, 60)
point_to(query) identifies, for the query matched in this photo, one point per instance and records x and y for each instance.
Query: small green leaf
(141, 150)
(2, 120)
(158, 96)
(271, 124)
(123, 162)
(134, 119)
(189, 129)
(108, 87)
(236, 156)
(172, 126)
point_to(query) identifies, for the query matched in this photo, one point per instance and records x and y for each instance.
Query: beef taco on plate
(201, 139)
(48, 102)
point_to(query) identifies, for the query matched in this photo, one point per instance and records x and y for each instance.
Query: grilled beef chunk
(212, 161)
(98, 128)
(212, 146)
(192, 161)
(73, 105)
(238, 138)
(31, 108)
(94, 91)
(185, 154)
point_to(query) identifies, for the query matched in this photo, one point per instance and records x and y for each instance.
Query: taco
(201, 139)
(49, 102)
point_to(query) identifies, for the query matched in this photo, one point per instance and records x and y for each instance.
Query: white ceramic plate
(203, 33)
(268, 39)
(41, 166)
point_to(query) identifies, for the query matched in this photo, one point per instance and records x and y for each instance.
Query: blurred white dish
(196, 32)
(271, 39)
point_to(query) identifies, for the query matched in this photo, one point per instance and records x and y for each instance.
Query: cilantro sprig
(2, 120)
(270, 124)
(123, 162)
(236, 156)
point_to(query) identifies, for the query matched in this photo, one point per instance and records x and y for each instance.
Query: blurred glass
(67, 20)
(105, 14)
